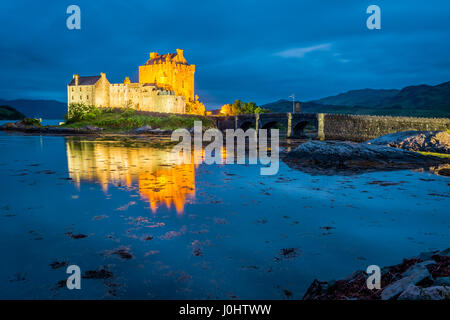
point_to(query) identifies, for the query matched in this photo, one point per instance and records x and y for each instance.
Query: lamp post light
(293, 102)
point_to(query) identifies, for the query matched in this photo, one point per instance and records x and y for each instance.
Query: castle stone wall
(145, 97)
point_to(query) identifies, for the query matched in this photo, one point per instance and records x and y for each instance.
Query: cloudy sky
(258, 51)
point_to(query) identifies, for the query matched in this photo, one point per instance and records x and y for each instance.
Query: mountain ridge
(39, 108)
(418, 100)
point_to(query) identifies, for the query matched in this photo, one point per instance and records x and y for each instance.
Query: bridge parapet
(334, 126)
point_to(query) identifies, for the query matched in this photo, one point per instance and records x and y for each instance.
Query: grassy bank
(118, 120)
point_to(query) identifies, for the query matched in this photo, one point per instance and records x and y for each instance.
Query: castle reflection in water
(153, 171)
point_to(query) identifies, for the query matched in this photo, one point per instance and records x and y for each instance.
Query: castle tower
(170, 71)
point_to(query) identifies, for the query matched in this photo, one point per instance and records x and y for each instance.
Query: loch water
(163, 230)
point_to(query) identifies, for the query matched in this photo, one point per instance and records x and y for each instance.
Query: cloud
(300, 52)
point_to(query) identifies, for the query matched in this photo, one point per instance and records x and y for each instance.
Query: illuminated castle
(166, 84)
(170, 71)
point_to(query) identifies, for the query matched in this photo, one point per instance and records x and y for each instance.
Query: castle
(166, 84)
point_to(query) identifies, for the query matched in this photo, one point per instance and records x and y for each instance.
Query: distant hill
(45, 109)
(284, 105)
(9, 113)
(420, 101)
(363, 97)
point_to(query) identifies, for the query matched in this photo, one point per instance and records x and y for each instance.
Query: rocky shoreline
(422, 141)
(426, 277)
(331, 157)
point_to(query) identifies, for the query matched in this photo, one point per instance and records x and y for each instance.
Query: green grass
(440, 155)
(125, 121)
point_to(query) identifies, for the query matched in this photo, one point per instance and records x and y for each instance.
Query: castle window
(87, 97)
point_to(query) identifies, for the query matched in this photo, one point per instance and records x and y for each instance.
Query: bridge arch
(245, 125)
(280, 124)
(305, 128)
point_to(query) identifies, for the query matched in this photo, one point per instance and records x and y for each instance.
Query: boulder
(91, 128)
(150, 130)
(8, 126)
(144, 129)
(431, 293)
(418, 267)
(443, 281)
(426, 141)
(412, 276)
(160, 131)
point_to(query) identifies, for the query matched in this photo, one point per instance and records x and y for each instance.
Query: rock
(25, 125)
(144, 129)
(427, 255)
(443, 281)
(327, 157)
(98, 274)
(412, 292)
(316, 289)
(59, 130)
(418, 267)
(29, 123)
(150, 130)
(160, 131)
(412, 276)
(9, 126)
(445, 252)
(427, 141)
(431, 293)
(92, 128)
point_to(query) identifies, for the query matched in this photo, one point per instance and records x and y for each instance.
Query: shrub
(31, 122)
(195, 108)
(80, 111)
(128, 112)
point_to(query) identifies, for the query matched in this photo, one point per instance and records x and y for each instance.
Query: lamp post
(293, 102)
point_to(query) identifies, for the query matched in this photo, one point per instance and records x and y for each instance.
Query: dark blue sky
(251, 50)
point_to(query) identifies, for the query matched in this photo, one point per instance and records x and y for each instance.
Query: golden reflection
(154, 171)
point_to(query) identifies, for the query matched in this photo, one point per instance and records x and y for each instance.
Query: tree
(239, 107)
(236, 108)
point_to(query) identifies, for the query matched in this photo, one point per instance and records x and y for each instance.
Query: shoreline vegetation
(83, 119)
(126, 119)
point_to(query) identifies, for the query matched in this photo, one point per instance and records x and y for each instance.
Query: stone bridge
(332, 126)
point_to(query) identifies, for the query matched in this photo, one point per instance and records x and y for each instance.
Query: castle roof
(160, 58)
(85, 81)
